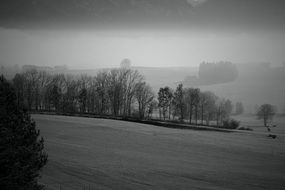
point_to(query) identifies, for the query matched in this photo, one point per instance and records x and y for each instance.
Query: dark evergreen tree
(22, 153)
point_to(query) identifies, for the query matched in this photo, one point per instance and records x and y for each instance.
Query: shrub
(231, 124)
(245, 128)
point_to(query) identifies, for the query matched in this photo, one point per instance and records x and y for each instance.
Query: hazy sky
(150, 33)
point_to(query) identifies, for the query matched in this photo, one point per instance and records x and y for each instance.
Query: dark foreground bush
(21, 149)
(230, 124)
(272, 136)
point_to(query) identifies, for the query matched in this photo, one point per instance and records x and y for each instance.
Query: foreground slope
(107, 154)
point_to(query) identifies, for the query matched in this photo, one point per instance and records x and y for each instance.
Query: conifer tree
(22, 153)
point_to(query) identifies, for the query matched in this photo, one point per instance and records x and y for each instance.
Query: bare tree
(102, 91)
(228, 108)
(43, 81)
(84, 92)
(203, 101)
(239, 108)
(19, 81)
(220, 108)
(133, 79)
(209, 105)
(151, 107)
(56, 90)
(30, 87)
(223, 110)
(164, 100)
(70, 95)
(196, 103)
(144, 96)
(115, 90)
(266, 112)
(178, 101)
(192, 99)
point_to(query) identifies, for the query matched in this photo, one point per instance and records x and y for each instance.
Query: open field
(257, 125)
(108, 154)
(254, 86)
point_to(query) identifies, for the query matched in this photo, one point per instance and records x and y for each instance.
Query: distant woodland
(214, 73)
(118, 92)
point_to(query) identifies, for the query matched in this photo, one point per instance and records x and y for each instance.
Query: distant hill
(156, 76)
(213, 73)
(256, 84)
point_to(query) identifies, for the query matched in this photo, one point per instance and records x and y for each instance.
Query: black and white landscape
(142, 94)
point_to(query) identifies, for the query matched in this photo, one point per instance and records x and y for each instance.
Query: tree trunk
(208, 120)
(169, 112)
(202, 114)
(218, 117)
(181, 112)
(196, 114)
(265, 121)
(190, 115)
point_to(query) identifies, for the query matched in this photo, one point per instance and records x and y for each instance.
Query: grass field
(258, 126)
(108, 154)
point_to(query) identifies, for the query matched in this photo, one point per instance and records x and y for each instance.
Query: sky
(158, 33)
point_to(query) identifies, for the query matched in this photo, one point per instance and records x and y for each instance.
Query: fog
(86, 35)
(90, 49)
(162, 33)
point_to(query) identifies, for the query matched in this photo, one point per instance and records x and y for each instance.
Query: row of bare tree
(191, 103)
(117, 92)
(113, 92)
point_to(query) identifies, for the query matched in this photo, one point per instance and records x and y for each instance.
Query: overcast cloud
(90, 34)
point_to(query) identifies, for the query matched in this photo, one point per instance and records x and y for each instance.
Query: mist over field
(91, 34)
(212, 69)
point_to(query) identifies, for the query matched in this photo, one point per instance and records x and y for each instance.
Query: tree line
(119, 92)
(220, 72)
(113, 92)
(193, 105)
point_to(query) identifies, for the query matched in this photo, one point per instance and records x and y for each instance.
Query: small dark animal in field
(272, 136)
(269, 127)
